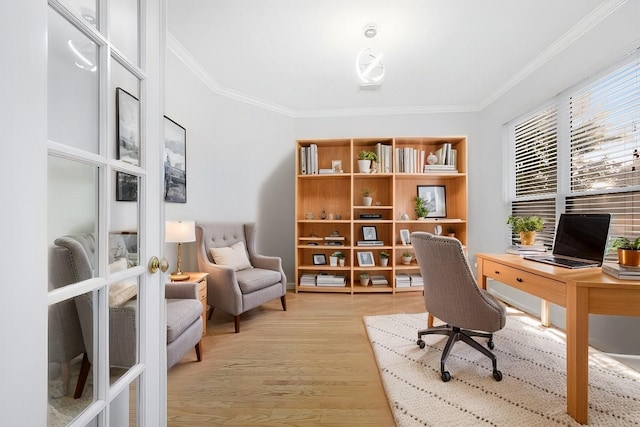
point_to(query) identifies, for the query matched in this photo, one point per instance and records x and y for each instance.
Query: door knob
(155, 264)
(164, 265)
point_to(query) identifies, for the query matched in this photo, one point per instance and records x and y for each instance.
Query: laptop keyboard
(569, 262)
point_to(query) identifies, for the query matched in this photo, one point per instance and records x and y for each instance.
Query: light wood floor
(309, 366)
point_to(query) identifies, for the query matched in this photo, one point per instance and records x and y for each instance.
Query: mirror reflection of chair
(452, 295)
(74, 259)
(239, 278)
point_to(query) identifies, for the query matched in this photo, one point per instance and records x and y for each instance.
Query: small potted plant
(526, 227)
(384, 258)
(420, 207)
(367, 199)
(364, 279)
(451, 231)
(340, 257)
(628, 251)
(406, 257)
(364, 160)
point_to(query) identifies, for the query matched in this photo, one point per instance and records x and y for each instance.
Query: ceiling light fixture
(369, 67)
(370, 31)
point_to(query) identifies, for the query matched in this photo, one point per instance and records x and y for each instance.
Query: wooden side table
(201, 280)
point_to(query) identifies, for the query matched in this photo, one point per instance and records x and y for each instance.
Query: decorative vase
(364, 166)
(629, 257)
(341, 261)
(366, 201)
(527, 238)
(333, 261)
(384, 262)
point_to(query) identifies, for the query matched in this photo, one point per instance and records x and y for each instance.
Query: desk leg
(544, 313)
(577, 352)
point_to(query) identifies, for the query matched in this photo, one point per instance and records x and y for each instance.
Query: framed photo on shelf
(126, 187)
(365, 259)
(175, 162)
(405, 237)
(319, 259)
(435, 200)
(127, 127)
(369, 232)
(336, 165)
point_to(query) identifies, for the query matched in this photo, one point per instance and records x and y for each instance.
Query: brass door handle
(155, 264)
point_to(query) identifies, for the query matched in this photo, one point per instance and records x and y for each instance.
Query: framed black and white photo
(175, 162)
(127, 127)
(435, 200)
(369, 232)
(405, 237)
(319, 259)
(365, 259)
(126, 187)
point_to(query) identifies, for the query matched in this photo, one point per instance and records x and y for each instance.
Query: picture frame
(365, 259)
(405, 237)
(369, 232)
(126, 187)
(127, 127)
(435, 200)
(175, 162)
(336, 165)
(319, 259)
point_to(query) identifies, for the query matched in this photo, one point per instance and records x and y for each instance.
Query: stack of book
(330, 280)
(379, 280)
(308, 280)
(403, 280)
(621, 271)
(384, 157)
(440, 169)
(522, 250)
(416, 279)
(309, 160)
(370, 243)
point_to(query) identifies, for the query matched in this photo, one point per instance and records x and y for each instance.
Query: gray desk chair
(452, 295)
(239, 278)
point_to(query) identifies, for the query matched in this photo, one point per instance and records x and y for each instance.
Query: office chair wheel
(421, 343)
(497, 375)
(490, 344)
(446, 376)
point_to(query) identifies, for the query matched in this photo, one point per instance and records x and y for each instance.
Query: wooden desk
(581, 292)
(201, 280)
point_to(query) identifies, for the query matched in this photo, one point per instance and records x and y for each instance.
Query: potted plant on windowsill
(384, 258)
(364, 279)
(364, 160)
(419, 205)
(367, 199)
(526, 227)
(628, 251)
(340, 256)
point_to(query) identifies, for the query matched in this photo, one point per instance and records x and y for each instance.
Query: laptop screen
(582, 236)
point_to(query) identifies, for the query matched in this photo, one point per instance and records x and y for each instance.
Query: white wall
(225, 183)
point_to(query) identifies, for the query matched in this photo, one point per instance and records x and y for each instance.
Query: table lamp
(179, 232)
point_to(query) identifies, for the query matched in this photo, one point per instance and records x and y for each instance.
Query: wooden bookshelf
(330, 202)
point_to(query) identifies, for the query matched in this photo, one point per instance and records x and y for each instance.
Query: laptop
(580, 241)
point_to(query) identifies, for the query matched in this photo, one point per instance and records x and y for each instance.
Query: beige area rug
(533, 389)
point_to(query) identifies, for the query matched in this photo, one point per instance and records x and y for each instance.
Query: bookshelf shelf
(328, 180)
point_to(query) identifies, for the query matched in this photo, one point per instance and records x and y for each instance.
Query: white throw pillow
(119, 293)
(234, 256)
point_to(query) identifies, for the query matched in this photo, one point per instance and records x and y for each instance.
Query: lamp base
(178, 277)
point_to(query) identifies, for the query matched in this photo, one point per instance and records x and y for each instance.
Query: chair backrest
(451, 292)
(219, 235)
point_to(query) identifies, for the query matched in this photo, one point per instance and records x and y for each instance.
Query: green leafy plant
(406, 254)
(451, 230)
(364, 275)
(384, 254)
(368, 155)
(525, 223)
(626, 243)
(419, 205)
(338, 254)
(366, 192)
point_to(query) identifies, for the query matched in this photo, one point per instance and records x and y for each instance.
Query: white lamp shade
(179, 231)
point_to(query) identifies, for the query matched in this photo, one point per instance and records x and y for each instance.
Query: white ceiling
(299, 56)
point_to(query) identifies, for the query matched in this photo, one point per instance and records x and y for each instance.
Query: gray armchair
(232, 290)
(452, 295)
(73, 259)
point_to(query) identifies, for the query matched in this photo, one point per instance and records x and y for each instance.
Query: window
(581, 153)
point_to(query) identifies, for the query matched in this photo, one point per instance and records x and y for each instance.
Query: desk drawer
(534, 284)
(202, 290)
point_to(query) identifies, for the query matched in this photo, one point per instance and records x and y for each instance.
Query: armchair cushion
(254, 279)
(234, 256)
(119, 293)
(181, 313)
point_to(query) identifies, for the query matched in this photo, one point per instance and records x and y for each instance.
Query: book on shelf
(620, 271)
(416, 279)
(324, 171)
(384, 157)
(370, 243)
(403, 280)
(309, 160)
(334, 237)
(370, 216)
(331, 280)
(526, 249)
(308, 280)
(379, 280)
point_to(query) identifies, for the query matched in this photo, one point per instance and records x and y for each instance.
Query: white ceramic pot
(384, 262)
(366, 201)
(364, 166)
(406, 260)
